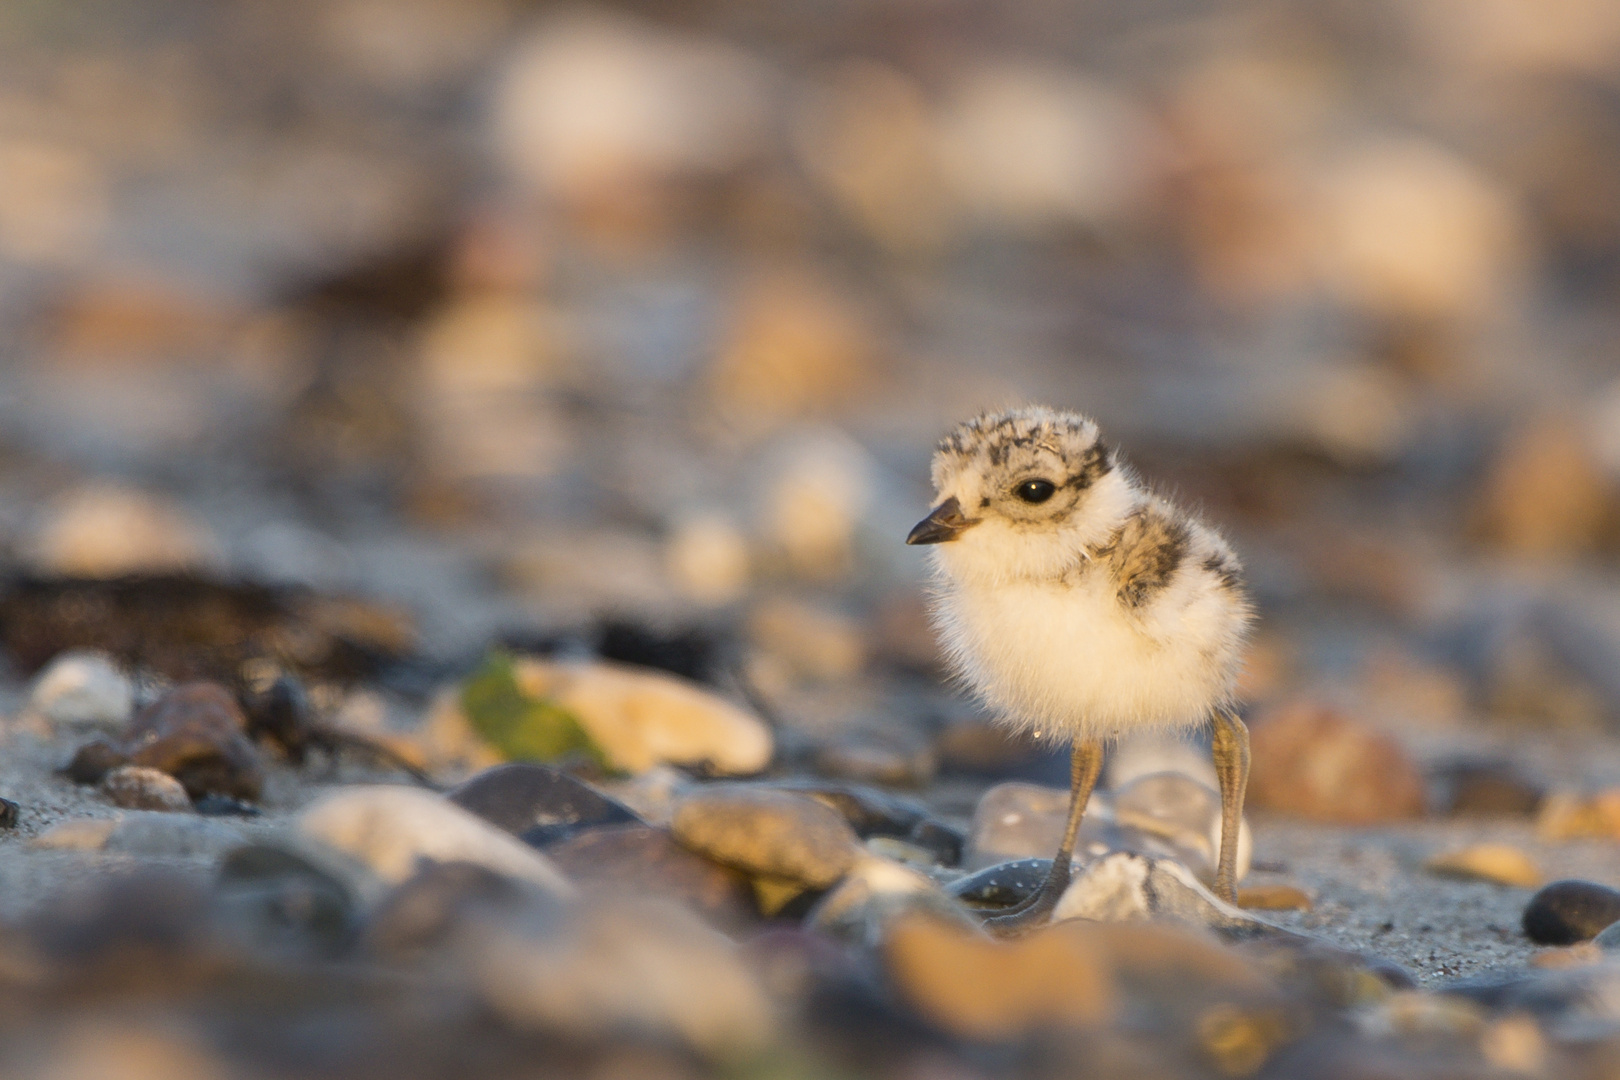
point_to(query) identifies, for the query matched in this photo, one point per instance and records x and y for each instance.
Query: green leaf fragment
(518, 726)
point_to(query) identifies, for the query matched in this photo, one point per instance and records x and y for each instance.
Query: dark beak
(944, 522)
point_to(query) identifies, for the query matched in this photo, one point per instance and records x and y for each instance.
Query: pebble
(1569, 815)
(392, 829)
(876, 891)
(9, 812)
(967, 984)
(286, 893)
(641, 860)
(869, 810)
(814, 643)
(428, 908)
(101, 530)
(769, 833)
(1568, 911)
(1016, 820)
(162, 834)
(900, 851)
(224, 806)
(80, 687)
(1608, 938)
(1001, 885)
(195, 732)
(639, 717)
(1314, 762)
(1486, 789)
(874, 760)
(625, 965)
(1125, 886)
(1274, 897)
(76, 834)
(136, 787)
(537, 804)
(1171, 813)
(1500, 864)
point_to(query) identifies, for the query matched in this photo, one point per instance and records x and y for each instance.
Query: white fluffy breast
(1064, 656)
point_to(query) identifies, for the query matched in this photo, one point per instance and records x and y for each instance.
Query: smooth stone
(901, 851)
(1016, 820)
(618, 965)
(1570, 815)
(285, 893)
(859, 909)
(1499, 864)
(1485, 789)
(944, 840)
(82, 687)
(1125, 886)
(640, 717)
(869, 759)
(1314, 762)
(1002, 885)
(869, 810)
(392, 829)
(136, 787)
(9, 812)
(1274, 897)
(766, 832)
(195, 732)
(537, 804)
(640, 860)
(1181, 817)
(1568, 911)
(428, 908)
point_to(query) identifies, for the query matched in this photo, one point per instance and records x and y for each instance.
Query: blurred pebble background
(528, 317)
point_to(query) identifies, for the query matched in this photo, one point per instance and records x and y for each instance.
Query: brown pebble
(1314, 762)
(136, 787)
(1500, 864)
(1277, 897)
(1573, 956)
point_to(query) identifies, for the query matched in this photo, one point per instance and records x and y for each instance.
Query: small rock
(1498, 863)
(876, 761)
(136, 787)
(1124, 886)
(624, 965)
(78, 834)
(1486, 789)
(1316, 763)
(942, 839)
(1568, 815)
(83, 688)
(1020, 821)
(1274, 897)
(1568, 911)
(9, 812)
(1181, 818)
(969, 985)
(899, 851)
(92, 761)
(1414, 1013)
(288, 893)
(640, 860)
(874, 893)
(767, 833)
(1608, 938)
(639, 718)
(870, 811)
(1578, 955)
(537, 804)
(429, 906)
(392, 829)
(103, 531)
(1547, 494)
(1001, 885)
(195, 733)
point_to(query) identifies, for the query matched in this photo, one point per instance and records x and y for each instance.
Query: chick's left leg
(1230, 749)
(1084, 765)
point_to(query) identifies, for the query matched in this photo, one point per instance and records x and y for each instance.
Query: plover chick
(1078, 604)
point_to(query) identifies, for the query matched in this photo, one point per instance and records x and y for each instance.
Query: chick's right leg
(1084, 765)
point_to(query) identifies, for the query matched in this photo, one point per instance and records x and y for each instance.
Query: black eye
(1035, 491)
